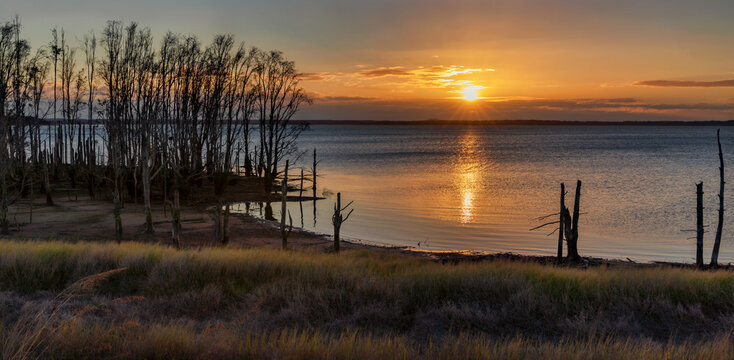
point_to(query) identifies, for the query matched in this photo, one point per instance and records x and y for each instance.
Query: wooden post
(717, 240)
(300, 194)
(560, 223)
(284, 195)
(699, 224)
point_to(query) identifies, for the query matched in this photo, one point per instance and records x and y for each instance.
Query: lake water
(481, 188)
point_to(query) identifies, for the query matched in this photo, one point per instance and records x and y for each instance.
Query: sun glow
(470, 93)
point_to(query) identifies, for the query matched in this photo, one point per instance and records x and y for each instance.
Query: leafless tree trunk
(90, 49)
(338, 219)
(146, 191)
(284, 232)
(117, 213)
(218, 223)
(47, 184)
(4, 202)
(560, 223)
(225, 225)
(313, 173)
(571, 226)
(717, 240)
(699, 225)
(176, 218)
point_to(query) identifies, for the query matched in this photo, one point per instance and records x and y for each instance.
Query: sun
(470, 93)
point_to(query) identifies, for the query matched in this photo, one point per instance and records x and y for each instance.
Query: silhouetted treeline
(122, 114)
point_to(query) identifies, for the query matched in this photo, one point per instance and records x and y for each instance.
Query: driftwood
(699, 225)
(717, 239)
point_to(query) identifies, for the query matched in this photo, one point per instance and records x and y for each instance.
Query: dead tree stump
(570, 226)
(338, 219)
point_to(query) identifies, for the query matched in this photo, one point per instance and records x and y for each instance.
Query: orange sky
(411, 59)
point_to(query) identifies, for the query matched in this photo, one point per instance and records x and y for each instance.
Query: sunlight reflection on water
(467, 171)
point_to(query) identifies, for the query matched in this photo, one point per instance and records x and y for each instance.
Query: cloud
(620, 100)
(317, 76)
(310, 76)
(385, 71)
(406, 79)
(421, 77)
(343, 98)
(686, 83)
(621, 105)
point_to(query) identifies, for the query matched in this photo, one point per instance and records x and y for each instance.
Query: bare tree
(90, 51)
(571, 226)
(18, 71)
(8, 53)
(339, 218)
(114, 78)
(278, 98)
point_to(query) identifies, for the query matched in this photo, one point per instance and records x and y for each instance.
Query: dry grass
(260, 303)
(132, 340)
(24, 337)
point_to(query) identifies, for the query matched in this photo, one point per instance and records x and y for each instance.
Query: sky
(459, 59)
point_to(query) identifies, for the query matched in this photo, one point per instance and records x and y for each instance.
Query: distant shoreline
(518, 122)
